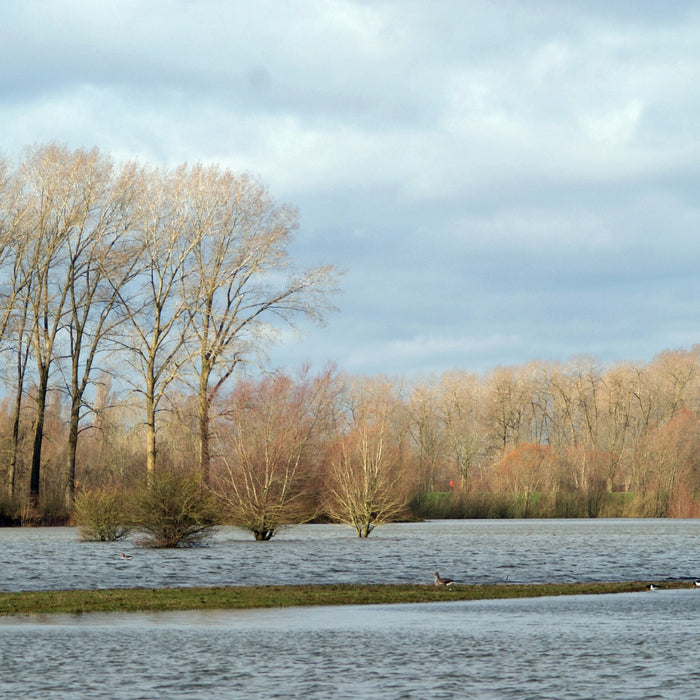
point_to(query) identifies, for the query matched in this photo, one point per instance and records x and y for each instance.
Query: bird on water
(443, 581)
(124, 555)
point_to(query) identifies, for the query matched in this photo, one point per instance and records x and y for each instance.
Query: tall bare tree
(157, 311)
(427, 432)
(15, 286)
(54, 202)
(460, 412)
(21, 360)
(241, 281)
(104, 257)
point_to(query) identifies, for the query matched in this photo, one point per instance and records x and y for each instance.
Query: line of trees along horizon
(132, 302)
(148, 277)
(543, 439)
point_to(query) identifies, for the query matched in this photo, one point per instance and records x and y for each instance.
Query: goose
(652, 587)
(123, 555)
(442, 581)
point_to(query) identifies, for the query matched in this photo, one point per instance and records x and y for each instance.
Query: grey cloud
(501, 181)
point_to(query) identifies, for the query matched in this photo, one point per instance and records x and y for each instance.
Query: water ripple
(622, 646)
(470, 551)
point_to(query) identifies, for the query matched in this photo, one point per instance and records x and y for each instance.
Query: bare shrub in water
(367, 483)
(271, 452)
(173, 510)
(99, 515)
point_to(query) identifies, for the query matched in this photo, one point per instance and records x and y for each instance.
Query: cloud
(499, 180)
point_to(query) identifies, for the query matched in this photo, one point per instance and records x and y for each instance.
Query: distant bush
(172, 510)
(99, 515)
(456, 505)
(9, 511)
(449, 505)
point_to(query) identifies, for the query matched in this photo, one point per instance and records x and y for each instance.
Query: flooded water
(473, 551)
(638, 645)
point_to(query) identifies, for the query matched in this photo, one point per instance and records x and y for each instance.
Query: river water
(472, 551)
(637, 645)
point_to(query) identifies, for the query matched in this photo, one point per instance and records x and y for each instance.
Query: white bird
(442, 581)
(123, 555)
(696, 583)
(652, 587)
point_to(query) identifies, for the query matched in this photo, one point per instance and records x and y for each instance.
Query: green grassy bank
(229, 598)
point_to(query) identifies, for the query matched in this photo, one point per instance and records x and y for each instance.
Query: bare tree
(157, 313)
(427, 432)
(507, 407)
(104, 258)
(367, 483)
(588, 381)
(460, 411)
(678, 374)
(273, 448)
(215, 256)
(14, 296)
(21, 359)
(565, 428)
(240, 281)
(54, 207)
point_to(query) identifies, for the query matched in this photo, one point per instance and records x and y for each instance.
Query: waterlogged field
(473, 551)
(628, 645)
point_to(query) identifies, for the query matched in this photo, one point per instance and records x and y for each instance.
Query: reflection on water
(475, 551)
(639, 645)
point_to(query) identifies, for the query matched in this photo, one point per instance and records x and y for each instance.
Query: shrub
(173, 510)
(99, 515)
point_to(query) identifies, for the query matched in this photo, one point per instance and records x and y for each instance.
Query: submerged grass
(239, 597)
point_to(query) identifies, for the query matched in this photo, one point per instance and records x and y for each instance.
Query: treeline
(576, 439)
(538, 440)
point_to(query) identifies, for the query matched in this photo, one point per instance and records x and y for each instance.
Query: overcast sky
(500, 181)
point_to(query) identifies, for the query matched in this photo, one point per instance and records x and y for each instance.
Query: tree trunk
(12, 471)
(204, 405)
(22, 356)
(35, 477)
(150, 431)
(72, 450)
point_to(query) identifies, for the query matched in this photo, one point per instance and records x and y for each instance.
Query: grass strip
(230, 598)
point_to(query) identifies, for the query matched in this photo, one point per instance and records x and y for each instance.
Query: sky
(500, 182)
